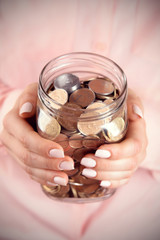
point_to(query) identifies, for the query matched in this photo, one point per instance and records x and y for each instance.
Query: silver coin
(68, 82)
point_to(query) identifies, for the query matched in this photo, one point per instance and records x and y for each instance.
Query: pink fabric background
(33, 32)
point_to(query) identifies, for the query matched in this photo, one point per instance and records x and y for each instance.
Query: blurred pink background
(32, 33)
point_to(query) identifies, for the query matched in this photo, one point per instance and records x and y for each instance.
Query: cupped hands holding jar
(44, 160)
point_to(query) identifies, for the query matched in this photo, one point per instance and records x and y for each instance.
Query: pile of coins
(80, 123)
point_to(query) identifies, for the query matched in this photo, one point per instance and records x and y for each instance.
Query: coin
(62, 140)
(71, 173)
(75, 141)
(67, 81)
(81, 152)
(91, 141)
(101, 86)
(88, 189)
(90, 127)
(43, 120)
(68, 115)
(99, 106)
(82, 97)
(86, 181)
(74, 192)
(59, 96)
(115, 128)
(53, 129)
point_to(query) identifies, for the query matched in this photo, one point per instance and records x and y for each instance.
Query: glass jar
(90, 114)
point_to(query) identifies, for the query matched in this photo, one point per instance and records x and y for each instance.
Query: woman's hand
(114, 164)
(42, 159)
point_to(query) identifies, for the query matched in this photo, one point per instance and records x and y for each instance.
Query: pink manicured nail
(26, 108)
(102, 153)
(66, 165)
(57, 153)
(88, 162)
(89, 172)
(60, 180)
(137, 111)
(105, 183)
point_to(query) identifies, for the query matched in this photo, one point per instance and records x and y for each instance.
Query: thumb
(28, 100)
(134, 106)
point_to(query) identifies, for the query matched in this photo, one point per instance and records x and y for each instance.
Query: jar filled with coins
(81, 105)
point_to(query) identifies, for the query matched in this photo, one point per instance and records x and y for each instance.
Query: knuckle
(25, 156)
(28, 170)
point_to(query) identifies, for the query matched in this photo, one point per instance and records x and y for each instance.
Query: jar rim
(122, 94)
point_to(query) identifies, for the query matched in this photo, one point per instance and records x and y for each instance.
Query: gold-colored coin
(82, 97)
(53, 129)
(57, 191)
(68, 115)
(99, 106)
(74, 191)
(91, 141)
(90, 127)
(75, 141)
(114, 129)
(59, 96)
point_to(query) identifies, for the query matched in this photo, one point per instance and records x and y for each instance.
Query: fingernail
(60, 181)
(102, 153)
(89, 172)
(137, 111)
(88, 162)
(66, 165)
(26, 108)
(105, 183)
(51, 184)
(57, 153)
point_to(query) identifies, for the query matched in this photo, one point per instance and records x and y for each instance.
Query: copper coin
(81, 152)
(86, 181)
(62, 140)
(88, 189)
(68, 116)
(59, 96)
(91, 141)
(53, 129)
(101, 86)
(82, 97)
(75, 141)
(71, 173)
(69, 151)
(90, 127)
(68, 133)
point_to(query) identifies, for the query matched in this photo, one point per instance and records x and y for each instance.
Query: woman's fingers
(31, 159)
(31, 139)
(134, 143)
(26, 104)
(106, 175)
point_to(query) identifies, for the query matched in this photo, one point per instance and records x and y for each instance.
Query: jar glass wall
(81, 105)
